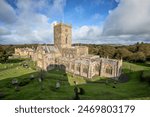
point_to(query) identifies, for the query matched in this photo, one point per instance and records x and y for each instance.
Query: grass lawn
(97, 88)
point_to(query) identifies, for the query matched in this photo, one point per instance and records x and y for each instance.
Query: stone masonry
(72, 59)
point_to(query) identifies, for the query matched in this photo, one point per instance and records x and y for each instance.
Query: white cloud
(130, 17)
(86, 33)
(31, 26)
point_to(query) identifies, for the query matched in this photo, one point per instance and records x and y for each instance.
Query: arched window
(78, 67)
(109, 70)
(72, 66)
(97, 68)
(85, 69)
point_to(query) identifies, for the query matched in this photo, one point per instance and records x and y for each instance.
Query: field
(30, 87)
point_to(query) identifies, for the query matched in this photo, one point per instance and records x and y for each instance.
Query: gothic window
(109, 70)
(78, 68)
(72, 66)
(97, 68)
(85, 69)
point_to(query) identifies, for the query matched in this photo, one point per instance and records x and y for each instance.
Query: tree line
(139, 52)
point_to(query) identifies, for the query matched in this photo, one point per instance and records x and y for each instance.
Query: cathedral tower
(62, 36)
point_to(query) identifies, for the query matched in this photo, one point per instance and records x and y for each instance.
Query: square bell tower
(62, 36)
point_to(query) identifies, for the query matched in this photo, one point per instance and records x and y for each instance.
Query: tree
(4, 56)
(138, 57)
(122, 53)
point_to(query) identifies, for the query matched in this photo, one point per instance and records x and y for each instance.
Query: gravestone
(57, 85)
(14, 81)
(31, 76)
(40, 80)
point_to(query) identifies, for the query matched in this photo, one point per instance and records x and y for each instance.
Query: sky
(93, 21)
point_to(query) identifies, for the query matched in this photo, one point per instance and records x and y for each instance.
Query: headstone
(57, 85)
(32, 77)
(16, 88)
(40, 80)
(14, 81)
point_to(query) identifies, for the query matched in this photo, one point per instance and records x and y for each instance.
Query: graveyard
(21, 80)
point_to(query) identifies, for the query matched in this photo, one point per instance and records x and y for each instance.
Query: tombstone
(14, 81)
(40, 80)
(106, 82)
(57, 85)
(17, 88)
(31, 76)
(115, 82)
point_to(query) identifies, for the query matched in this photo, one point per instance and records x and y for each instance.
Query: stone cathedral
(72, 59)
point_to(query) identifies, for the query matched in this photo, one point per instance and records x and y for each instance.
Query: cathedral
(72, 59)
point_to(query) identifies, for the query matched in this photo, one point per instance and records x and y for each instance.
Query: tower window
(66, 40)
(66, 30)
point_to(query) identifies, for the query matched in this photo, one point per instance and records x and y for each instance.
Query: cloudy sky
(93, 21)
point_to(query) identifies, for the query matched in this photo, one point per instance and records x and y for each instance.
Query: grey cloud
(7, 13)
(4, 31)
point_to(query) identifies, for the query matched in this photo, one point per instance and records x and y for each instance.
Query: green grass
(96, 88)
(146, 74)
